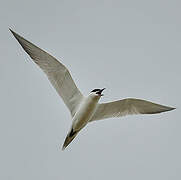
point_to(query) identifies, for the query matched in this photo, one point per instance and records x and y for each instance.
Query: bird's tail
(70, 136)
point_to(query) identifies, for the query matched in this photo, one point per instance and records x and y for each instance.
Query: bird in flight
(83, 109)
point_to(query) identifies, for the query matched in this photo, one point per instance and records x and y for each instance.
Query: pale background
(133, 48)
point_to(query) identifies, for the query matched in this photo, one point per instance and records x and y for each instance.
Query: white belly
(85, 112)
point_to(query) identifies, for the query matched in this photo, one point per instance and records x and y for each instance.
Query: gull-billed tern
(83, 109)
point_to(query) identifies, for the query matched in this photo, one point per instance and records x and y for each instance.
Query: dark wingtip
(11, 31)
(169, 109)
(172, 108)
(65, 144)
(63, 148)
(14, 34)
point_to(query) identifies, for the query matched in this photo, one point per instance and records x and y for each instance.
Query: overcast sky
(133, 48)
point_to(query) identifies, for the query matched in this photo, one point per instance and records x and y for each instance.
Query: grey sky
(130, 47)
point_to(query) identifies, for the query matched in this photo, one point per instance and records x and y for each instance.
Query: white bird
(83, 109)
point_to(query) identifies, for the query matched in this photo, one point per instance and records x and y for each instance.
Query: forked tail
(70, 136)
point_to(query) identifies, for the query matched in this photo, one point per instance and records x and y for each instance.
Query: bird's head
(97, 92)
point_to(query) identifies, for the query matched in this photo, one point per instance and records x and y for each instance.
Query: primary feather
(127, 107)
(56, 72)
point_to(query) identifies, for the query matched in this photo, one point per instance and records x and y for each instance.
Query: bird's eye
(95, 90)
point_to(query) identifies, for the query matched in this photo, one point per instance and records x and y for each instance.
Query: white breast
(85, 112)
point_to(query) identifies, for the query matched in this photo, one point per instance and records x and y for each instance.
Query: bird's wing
(127, 107)
(57, 73)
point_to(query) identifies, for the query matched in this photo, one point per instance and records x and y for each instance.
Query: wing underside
(56, 72)
(128, 107)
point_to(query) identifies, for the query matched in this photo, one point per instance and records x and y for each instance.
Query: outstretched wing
(126, 107)
(57, 73)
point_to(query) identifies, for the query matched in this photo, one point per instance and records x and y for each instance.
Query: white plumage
(83, 109)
